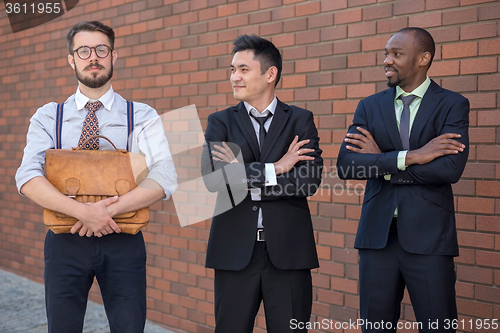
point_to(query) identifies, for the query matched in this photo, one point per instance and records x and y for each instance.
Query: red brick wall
(173, 53)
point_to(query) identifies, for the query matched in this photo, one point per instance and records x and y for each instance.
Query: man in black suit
(411, 143)
(262, 248)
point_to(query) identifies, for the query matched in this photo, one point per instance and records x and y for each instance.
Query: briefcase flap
(94, 172)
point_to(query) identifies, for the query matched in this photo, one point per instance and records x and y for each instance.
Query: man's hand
(294, 154)
(437, 147)
(95, 220)
(365, 142)
(225, 154)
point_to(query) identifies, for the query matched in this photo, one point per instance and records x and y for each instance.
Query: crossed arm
(93, 218)
(439, 161)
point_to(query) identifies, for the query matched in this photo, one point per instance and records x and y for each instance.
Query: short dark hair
(90, 26)
(264, 51)
(424, 40)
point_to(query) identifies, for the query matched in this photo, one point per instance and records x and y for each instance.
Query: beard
(94, 81)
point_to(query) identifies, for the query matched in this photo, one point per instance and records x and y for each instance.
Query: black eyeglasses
(84, 52)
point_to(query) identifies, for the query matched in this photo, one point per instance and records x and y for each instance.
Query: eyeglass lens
(101, 51)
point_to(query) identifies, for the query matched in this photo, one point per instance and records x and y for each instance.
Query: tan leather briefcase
(91, 176)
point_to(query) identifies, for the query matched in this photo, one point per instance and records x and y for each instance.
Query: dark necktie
(262, 130)
(404, 123)
(90, 127)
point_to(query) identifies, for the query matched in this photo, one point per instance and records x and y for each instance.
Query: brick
(409, 7)
(346, 285)
(347, 16)
(354, 3)
(346, 47)
(318, 21)
(489, 12)
(484, 101)
(476, 240)
(307, 94)
(433, 5)
(460, 16)
(482, 135)
(360, 90)
(330, 297)
(348, 106)
(248, 6)
(474, 308)
(446, 35)
(487, 258)
(378, 12)
(307, 37)
(477, 66)
(391, 25)
(489, 47)
(444, 68)
(460, 84)
(362, 29)
(488, 223)
(319, 79)
(476, 205)
(333, 33)
(426, 20)
(319, 50)
(461, 50)
(478, 31)
(329, 5)
(374, 43)
(295, 81)
(487, 188)
(309, 8)
(362, 60)
(489, 82)
(295, 25)
(310, 65)
(332, 93)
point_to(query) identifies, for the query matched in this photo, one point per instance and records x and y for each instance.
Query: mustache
(391, 67)
(99, 66)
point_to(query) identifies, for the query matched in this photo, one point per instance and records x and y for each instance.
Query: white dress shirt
(269, 167)
(148, 137)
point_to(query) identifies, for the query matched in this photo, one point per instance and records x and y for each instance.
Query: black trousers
(383, 275)
(287, 295)
(119, 263)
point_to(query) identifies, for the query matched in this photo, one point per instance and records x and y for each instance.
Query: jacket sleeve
(352, 165)
(304, 178)
(446, 169)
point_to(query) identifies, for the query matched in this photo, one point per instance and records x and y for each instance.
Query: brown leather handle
(97, 136)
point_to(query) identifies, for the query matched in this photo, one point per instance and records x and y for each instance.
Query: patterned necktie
(90, 127)
(262, 130)
(404, 123)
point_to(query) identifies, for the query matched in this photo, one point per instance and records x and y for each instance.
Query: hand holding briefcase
(91, 176)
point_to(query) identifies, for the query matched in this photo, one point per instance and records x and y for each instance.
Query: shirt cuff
(402, 160)
(270, 175)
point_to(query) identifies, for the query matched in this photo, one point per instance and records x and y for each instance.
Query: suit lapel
(389, 115)
(427, 107)
(244, 122)
(279, 120)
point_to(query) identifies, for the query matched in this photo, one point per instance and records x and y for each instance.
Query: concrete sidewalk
(22, 309)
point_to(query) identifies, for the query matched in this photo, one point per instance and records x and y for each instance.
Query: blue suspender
(130, 124)
(59, 117)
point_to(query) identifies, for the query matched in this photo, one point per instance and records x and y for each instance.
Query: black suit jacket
(422, 193)
(286, 216)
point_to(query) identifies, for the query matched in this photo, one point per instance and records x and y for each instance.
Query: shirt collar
(107, 99)
(271, 108)
(419, 91)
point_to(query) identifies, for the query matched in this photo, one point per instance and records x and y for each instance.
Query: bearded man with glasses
(95, 247)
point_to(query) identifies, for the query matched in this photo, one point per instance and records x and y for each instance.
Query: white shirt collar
(270, 108)
(107, 99)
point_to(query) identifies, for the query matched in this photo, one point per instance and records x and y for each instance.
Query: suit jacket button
(254, 208)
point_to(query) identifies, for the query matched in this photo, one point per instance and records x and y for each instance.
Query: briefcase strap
(130, 124)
